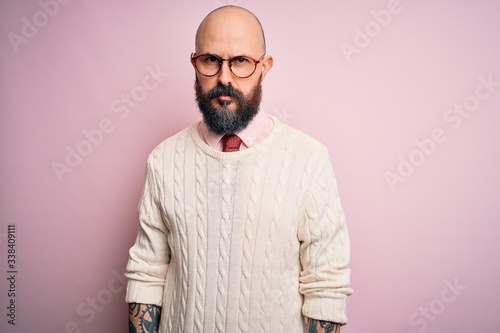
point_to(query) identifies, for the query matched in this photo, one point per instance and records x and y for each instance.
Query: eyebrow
(239, 55)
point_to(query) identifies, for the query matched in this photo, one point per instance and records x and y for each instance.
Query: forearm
(320, 326)
(143, 318)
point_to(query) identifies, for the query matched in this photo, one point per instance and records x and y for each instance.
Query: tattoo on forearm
(143, 318)
(320, 326)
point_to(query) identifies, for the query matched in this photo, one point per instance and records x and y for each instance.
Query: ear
(267, 64)
(193, 54)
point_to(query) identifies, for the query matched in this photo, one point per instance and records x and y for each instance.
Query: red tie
(230, 143)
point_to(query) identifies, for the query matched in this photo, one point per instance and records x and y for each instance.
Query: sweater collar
(277, 128)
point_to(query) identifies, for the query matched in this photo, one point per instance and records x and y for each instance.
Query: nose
(225, 75)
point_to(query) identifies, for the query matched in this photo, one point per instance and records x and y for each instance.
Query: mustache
(220, 90)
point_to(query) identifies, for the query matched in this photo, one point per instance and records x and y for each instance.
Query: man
(238, 233)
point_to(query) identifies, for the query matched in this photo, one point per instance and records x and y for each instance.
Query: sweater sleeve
(324, 250)
(149, 256)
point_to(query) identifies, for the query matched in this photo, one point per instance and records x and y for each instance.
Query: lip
(225, 97)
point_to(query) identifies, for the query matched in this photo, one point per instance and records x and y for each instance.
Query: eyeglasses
(210, 64)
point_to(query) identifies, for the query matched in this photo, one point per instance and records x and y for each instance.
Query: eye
(211, 60)
(240, 61)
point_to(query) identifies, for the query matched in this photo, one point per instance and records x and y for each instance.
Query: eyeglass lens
(210, 65)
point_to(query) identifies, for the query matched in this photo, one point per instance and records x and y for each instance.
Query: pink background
(435, 226)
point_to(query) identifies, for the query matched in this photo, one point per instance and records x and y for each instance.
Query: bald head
(231, 30)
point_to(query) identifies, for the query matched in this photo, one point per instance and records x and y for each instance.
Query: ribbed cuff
(139, 292)
(326, 308)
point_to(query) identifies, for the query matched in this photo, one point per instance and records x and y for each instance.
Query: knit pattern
(247, 248)
(268, 309)
(284, 179)
(308, 168)
(254, 239)
(227, 192)
(180, 222)
(201, 227)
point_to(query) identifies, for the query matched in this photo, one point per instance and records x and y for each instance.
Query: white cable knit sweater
(248, 241)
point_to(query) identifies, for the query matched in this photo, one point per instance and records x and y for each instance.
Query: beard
(222, 120)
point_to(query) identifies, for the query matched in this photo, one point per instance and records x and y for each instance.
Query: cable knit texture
(247, 241)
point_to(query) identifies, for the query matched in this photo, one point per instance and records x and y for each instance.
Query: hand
(320, 326)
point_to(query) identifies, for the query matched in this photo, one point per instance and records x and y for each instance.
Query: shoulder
(304, 143)
(168, 146)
